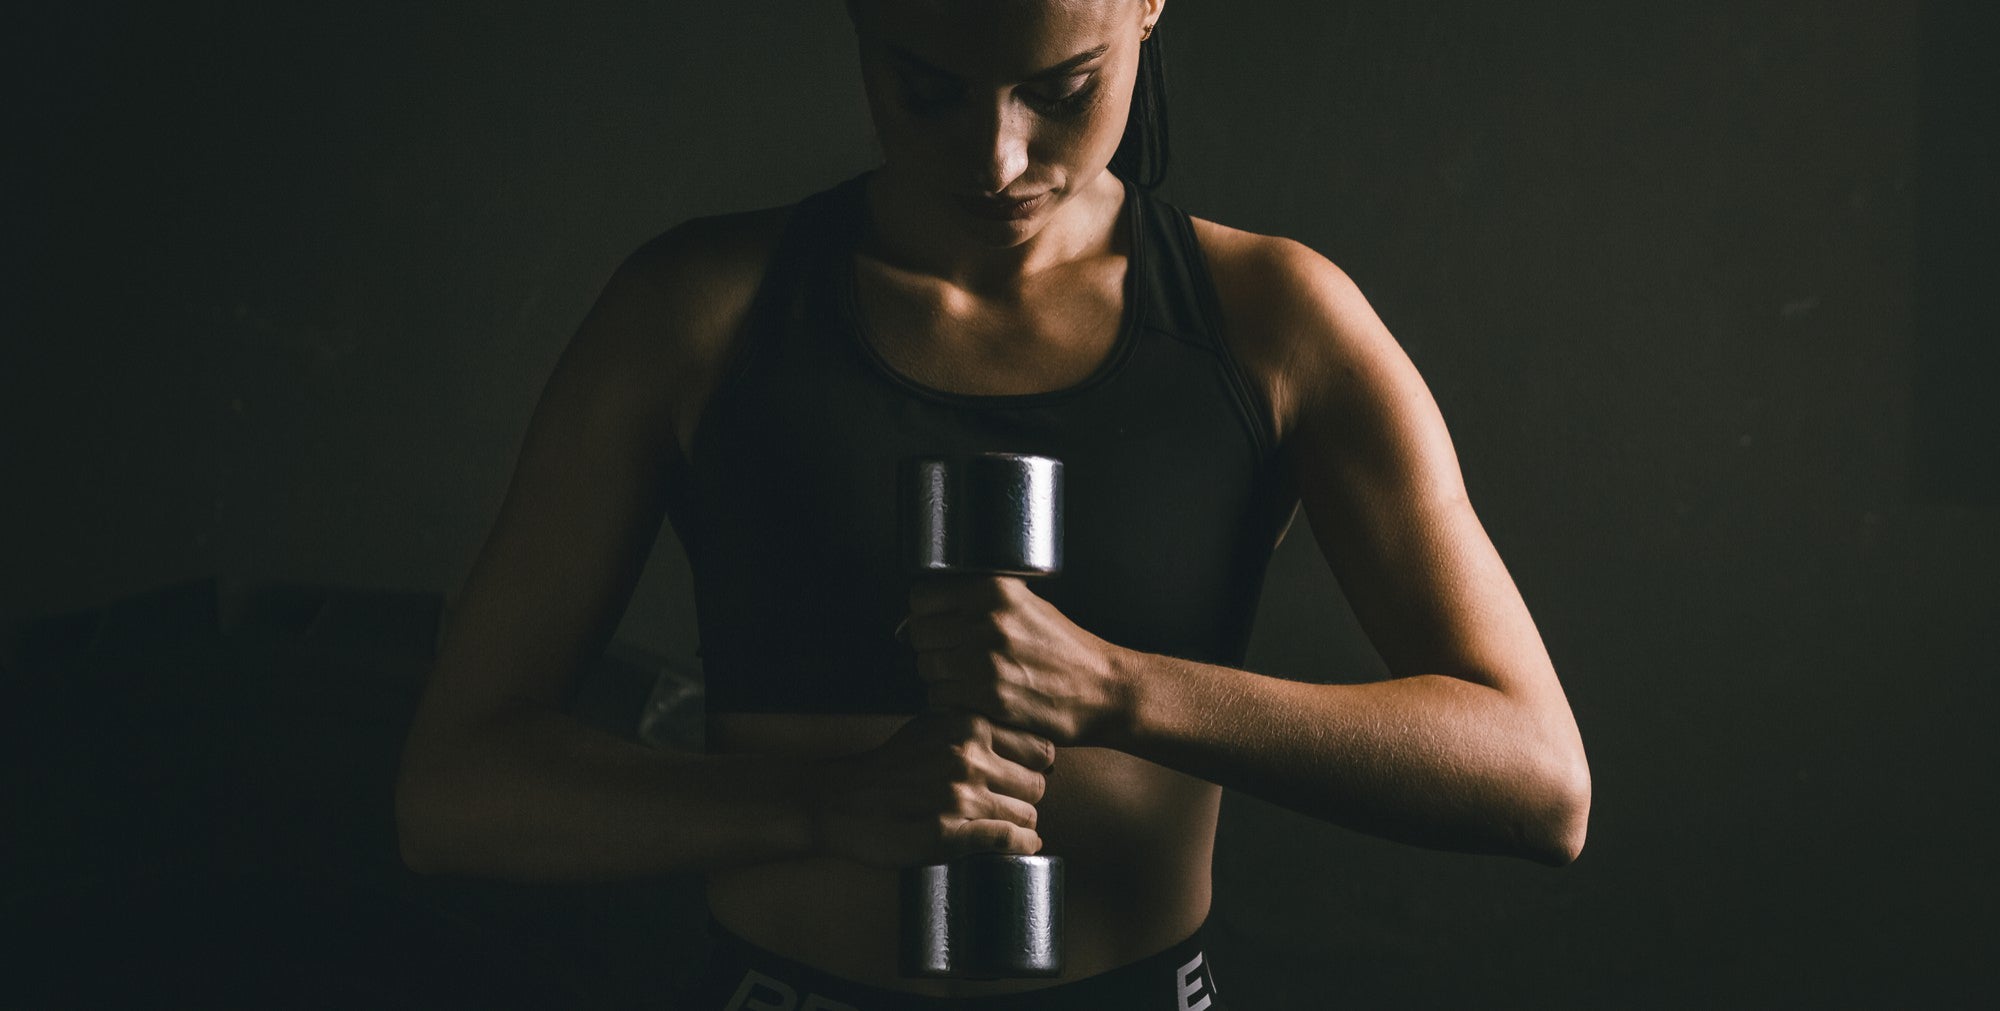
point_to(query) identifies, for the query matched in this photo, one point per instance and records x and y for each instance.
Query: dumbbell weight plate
(990, 513)
(983, 916)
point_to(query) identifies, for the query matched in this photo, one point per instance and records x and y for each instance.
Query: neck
(902, 228)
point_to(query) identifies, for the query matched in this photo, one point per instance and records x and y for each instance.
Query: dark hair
(1142, 153)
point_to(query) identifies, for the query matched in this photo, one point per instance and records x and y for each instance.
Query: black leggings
(743, 977)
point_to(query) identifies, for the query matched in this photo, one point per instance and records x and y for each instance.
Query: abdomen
(1136, 839)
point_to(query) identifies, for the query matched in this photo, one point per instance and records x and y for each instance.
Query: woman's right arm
(496, 778)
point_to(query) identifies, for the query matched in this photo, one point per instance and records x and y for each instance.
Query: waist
(1137, 840)
(738, 971)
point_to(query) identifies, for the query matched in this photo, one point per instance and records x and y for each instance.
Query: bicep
(581, 513)
(1380, 484)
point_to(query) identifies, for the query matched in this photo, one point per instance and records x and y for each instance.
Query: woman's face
(992, 113)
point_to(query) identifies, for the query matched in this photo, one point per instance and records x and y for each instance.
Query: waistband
(740, 976)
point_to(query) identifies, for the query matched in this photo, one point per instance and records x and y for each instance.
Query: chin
(999, 234)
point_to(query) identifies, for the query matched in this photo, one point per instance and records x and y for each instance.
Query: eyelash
(1071, 102)
(1055, 107)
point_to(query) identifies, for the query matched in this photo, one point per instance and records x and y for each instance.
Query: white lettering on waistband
(1191, 984)
(759, 992)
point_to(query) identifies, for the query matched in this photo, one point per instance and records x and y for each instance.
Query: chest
(1049, 333)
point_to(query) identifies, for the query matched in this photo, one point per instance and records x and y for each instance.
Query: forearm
(1432, 760)
(539, 796)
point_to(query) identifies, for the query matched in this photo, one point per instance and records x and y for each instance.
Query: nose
(1000, 136)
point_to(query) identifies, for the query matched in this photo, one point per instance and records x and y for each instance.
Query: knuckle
(958, 764)
(960, 799)
(993, 626)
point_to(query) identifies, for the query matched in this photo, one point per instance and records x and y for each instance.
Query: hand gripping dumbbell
(984, 915)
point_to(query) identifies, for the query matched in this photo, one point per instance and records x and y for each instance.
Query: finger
(934, 594)
(966, 695)
(987, 835)
(979, 661)
(1016, 783)
(1001, 807)
(946, 630)
(1032, 751)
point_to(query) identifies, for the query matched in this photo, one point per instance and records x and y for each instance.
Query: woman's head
(979, 102)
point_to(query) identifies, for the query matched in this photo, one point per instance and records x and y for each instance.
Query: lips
(1004, 210)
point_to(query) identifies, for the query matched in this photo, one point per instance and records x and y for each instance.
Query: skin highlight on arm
(1470, 745)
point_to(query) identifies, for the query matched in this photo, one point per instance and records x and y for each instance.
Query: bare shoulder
(668, 316)
(1295, 320)
(707, 263)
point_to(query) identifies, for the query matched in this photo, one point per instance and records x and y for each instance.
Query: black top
(788, 510)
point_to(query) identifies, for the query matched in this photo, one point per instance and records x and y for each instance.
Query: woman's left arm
(1469, 745)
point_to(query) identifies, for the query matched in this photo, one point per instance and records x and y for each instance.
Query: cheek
(1100, 125)
(1093, 135)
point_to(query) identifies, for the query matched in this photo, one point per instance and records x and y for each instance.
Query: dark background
(1703, 290)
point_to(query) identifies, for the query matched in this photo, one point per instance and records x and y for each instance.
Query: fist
(945, 784)
(991, 645)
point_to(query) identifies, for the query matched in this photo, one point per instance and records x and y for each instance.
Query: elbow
(415, 860)
(421, 820)
(433, 792)
(1562, 815)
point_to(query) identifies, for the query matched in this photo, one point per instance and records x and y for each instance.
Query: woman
(992, 285)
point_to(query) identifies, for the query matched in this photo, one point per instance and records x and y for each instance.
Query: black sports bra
(787, 507)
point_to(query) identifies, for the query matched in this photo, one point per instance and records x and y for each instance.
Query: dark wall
(289, 277)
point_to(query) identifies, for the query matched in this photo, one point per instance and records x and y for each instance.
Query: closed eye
(1084, 86)
(928, 97)
(925, 89)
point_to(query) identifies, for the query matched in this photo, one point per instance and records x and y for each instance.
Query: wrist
(797, 791)
(1125, 679)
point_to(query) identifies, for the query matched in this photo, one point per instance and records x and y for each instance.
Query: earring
(1147, 34)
